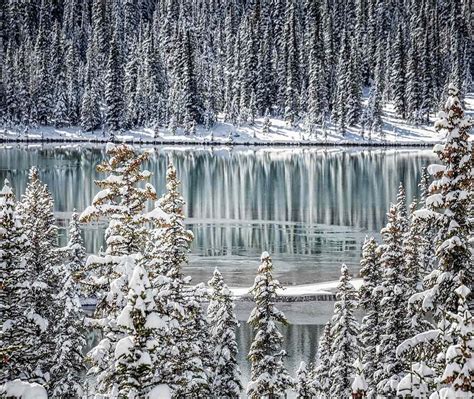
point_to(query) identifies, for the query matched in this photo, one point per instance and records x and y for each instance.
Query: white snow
(160, 392)
(23, 390)
(396, 131)
(158, 214)
(328, 287)
(153, 320)
(434, 169)
(123, 347)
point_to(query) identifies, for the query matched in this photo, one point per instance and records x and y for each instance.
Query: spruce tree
(344, 332)
(123, 201)
(370, 295)
(395, 324)
(448, 204)
(399, 73)
(42, 274)
(303, 385)
(268, 374)
(223, 324)
(184, 363)
(68, 368)
(114, 88)
(15, 339)
(458, 375)
(292, 87)
(322, 372)
(135, 366)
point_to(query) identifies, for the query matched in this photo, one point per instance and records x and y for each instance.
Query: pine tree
(344, 332)
(459, 372)
(339, 111)
(324, 378)
(135, 367)
(268, 374)
(183, 362)
(448, 205)
(395, 325)
(91, 117)
(114, 88)
(413, 89)
(68, 368)
(292, 61)
(41, 81)
(267, 123)
(36, 209)
(223, 324)
(75, 247)
(123, 201)
(304, 387)
(450, 195)
(370, 295)
(399, 73)
(15, 342)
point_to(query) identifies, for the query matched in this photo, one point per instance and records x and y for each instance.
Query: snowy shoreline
(318, 292)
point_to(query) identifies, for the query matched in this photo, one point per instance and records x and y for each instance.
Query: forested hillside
(121, 64)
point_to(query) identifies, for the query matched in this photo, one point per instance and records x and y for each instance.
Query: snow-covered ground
(325, 288)
(396, 132)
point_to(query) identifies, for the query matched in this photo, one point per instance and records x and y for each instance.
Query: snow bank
(23, 390)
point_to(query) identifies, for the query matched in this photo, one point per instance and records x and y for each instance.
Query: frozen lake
(310, 208)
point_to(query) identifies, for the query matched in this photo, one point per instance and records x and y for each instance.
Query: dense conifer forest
(122, 64)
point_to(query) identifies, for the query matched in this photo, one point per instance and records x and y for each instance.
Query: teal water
(310, 208)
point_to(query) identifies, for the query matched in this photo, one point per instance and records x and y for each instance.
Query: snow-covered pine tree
(75, 247)
(426, 226)
(15, 343)
(135, 365)
(269, 377)
(451, 194)
(370, 295)
(184, 363)
(292, 87)
(67, 372)
(123, 201)
(413, 89)
(449, 206)
(344, 348)
(223, 324)
(41, 79)
(114, 114)
(322, 370)
(374, 111)
(339, 110)
(267, 123)
(90, 118)
(394, 319)
(43, 270)
(399, 73)
(459, 372)
(304, 387)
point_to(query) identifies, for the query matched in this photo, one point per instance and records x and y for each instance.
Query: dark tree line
(119, 64)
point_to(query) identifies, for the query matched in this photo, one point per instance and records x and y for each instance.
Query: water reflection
(300, 343)
(310, 208)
